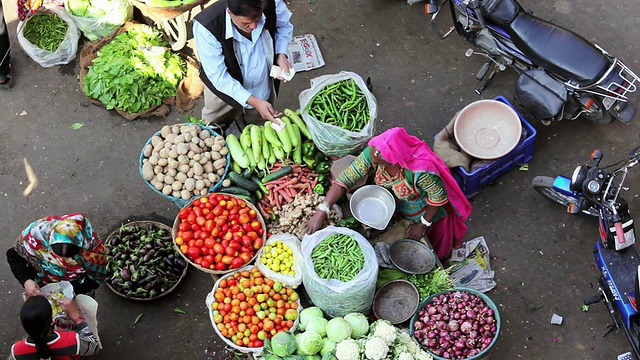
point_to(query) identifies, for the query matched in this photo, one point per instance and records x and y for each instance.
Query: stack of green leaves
(46, 31)
(135, 71)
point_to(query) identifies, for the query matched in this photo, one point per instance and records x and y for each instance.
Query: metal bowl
(412, 256)
(373, 206)
(396, 301)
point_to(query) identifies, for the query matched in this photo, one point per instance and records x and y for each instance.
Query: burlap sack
(446, 147)
(189, 88)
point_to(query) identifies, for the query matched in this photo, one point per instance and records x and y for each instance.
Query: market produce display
(292, 217)
(135, 71)
(348, 338)
(279, 258)
(89, 8)
(143, 264)
(184, 161)
(219, 232)
(288, 182)
(456, 325)
(45, 30)
(339, 257)
(168, 3)
(342, 104)
(247, 308)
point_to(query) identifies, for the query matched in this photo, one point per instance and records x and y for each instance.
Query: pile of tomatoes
(250, 308)
(219, 232)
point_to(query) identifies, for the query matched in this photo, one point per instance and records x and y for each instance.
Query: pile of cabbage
(343, 338)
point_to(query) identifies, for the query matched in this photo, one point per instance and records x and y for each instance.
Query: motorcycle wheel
(544, 186)
(597, 113)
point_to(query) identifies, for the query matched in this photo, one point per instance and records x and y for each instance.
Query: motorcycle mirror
(596, 156)
(468, 53)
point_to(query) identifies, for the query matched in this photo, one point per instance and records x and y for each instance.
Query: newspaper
(304, 53)
(470, 267)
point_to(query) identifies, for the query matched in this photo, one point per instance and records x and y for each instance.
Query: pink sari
(398, 147)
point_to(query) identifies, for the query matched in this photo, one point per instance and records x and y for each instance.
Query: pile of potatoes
(184, 161)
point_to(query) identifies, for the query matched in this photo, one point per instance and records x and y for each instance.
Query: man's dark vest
(213, 18)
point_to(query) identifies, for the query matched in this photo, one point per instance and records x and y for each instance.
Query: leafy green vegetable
(134, 72)
(359, 324)
(338, 329)
(432, 282)
(309, 343)
(77, 126)
(283, 343)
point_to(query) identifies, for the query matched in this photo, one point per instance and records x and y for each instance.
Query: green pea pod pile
(339, 257)
(46, 31)
(342, 104)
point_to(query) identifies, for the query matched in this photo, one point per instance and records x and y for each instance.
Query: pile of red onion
(456, 325)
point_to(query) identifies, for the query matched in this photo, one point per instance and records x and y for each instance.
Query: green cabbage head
(338, 329)
(318, 325)
(307, 314)
(283, 343)
(309, 343)
(358, 323)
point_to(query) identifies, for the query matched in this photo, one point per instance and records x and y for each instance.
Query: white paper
(277, 124)
(304, 53)
(276, 72)
(470, 265)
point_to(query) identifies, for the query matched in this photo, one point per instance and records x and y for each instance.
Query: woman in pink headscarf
(422, 184)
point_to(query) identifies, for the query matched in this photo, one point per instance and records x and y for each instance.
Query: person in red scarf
(425, 191)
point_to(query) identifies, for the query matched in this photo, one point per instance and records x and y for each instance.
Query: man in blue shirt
(237, 43)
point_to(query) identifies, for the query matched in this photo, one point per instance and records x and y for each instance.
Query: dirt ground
(542, 256)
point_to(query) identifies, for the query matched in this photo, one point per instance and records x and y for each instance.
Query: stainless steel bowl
(412, 256)
(396, 301)
(373, 206)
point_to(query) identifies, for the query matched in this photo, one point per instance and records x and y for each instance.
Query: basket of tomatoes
(219, 233)
(245, 308)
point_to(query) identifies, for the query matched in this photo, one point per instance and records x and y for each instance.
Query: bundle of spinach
(135, 71)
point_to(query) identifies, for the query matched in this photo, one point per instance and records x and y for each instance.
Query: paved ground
(542, 256)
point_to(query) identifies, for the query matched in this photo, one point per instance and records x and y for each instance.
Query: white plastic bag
(334, 297)
(89, 308)
(294, 244)
(117, 12)
(330, 139)
(257, 352)
(64, 54)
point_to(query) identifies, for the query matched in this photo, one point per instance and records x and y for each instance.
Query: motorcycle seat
(557, 49)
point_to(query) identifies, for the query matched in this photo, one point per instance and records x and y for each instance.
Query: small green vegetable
(179, 311)
(339, 257)
(319, 189)
(77, 126)
(432, 282)
(138, 318)
(46, 31)
(322, 167)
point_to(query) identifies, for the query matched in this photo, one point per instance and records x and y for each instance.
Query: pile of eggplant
(143, 263)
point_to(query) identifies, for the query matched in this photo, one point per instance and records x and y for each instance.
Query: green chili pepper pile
(45, 31)
(342, 104)
(338, 256)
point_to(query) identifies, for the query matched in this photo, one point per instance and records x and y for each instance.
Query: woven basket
(179, 201)
(145, 223)
(174, 232)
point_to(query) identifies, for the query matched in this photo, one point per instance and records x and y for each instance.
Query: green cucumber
(286, 170)
(235, 190)
(246, 173)
(257, 180)
(241, 181)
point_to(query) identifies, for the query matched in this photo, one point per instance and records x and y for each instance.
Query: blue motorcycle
(595, 191)
(561, 74)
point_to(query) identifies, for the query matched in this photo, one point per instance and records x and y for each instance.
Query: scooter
(562, 75)
(595, 191)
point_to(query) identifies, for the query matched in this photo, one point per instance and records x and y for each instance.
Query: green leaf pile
(134, 72)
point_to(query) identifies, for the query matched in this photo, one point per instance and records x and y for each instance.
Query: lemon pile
(279, 258)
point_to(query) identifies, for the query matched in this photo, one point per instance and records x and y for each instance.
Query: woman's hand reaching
(315, 222)
(416, 231)
(31, 288)
(71, 308)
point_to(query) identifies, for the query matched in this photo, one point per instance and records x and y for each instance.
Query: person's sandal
(6, 85)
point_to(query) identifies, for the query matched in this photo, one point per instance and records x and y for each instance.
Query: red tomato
(210, 216)
(255, 225)
(218, 257)
(252, 235)
(196, 234)
(246, 241)
(244, 218)
(195, 227)
(196, 202)
(191, 218)
(197, 211)
(235, 228)
(199, 243)
(230, 251)
(184, 226)
(218, 248)
(221, 266)
(209, 225)
(215, 232)
(208, 206)
(205, 264)
(245, 257)
(257, 243)
(209, 242)
(235, 245)
(227, 260)
(200, 220)
(193, 252)
(236, 263)
(187, 235)
(203, 235)
(184, 212)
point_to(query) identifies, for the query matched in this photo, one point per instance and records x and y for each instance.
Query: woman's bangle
(324, 207)
(425, 222)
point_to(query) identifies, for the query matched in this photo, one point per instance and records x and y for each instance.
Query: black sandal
(7, 84)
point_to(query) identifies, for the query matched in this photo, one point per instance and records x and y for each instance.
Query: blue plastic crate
(473, 182)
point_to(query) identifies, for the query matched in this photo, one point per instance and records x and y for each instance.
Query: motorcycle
(595, 191)
(561, 74)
